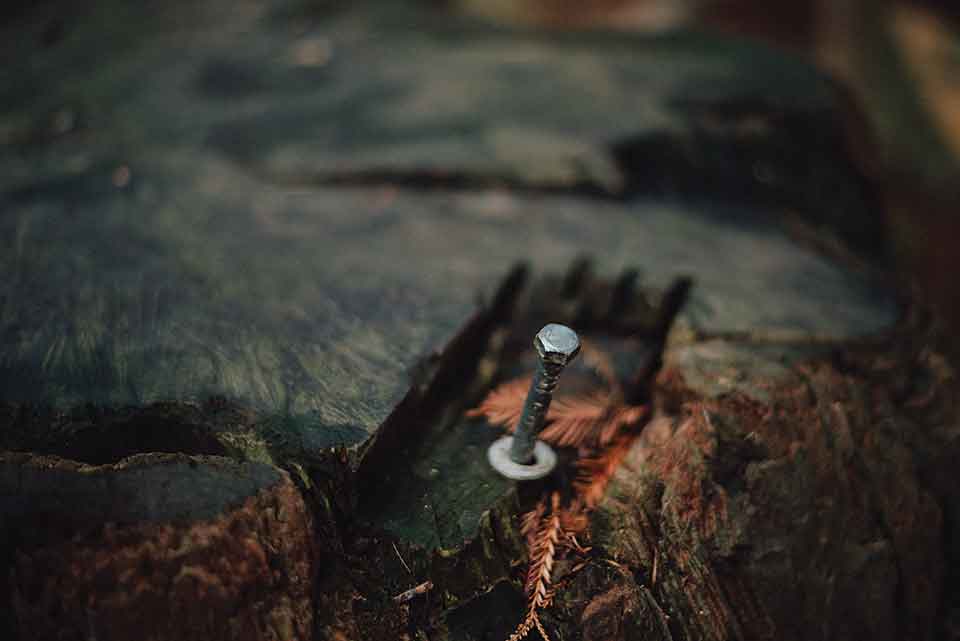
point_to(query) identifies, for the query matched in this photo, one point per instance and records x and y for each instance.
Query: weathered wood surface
(250, 235)
(789, 504)
(157, 546)
(204, 275)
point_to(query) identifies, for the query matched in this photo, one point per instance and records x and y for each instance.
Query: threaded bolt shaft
(557, 345)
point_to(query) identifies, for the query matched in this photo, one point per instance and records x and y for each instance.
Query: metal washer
(544, 460)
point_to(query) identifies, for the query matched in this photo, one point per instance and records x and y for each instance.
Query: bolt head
(557, 343)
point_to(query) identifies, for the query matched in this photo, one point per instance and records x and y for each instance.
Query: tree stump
(261, 266)
(157, 546)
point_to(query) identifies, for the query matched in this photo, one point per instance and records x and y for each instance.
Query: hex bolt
(522, 456)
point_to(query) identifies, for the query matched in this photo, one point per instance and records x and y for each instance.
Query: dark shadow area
(109, 443)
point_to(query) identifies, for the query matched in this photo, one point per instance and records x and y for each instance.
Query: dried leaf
(543, 553)
(573, 421)
(504, 404)
(572, 520)
(590, 421)
(594, 473)
(530, 523)
(543, 550)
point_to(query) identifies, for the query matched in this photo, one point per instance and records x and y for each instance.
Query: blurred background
(898, 61)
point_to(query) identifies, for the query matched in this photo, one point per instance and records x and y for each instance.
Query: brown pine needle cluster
(500, 407)
(594, 473)
(602, 429)
(542, 532)
(591, 421)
